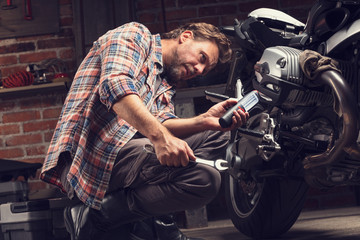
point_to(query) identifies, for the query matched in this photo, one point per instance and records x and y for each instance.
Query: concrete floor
(333, 224)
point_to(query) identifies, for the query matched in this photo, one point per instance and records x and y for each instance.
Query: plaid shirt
(126, 60)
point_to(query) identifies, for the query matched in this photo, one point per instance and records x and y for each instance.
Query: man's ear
(186, 35)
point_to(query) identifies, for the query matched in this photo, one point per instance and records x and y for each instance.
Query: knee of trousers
(205, 183)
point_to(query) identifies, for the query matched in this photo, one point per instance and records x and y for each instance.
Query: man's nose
(199, 68)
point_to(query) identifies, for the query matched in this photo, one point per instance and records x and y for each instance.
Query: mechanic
(121, 99)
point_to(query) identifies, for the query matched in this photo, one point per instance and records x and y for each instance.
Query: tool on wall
(27, 8)
(8, 5)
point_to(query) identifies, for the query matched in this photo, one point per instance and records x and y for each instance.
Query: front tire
(264, 209)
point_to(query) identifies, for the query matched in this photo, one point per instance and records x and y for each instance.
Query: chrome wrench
(219, 164)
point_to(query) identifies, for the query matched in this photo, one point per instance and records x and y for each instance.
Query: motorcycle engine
(281, 82)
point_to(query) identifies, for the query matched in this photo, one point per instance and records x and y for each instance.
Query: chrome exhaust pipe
(350, 114)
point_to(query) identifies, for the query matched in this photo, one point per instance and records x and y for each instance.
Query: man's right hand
(173, 152)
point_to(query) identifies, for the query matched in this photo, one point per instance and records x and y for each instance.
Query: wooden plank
(34, 89)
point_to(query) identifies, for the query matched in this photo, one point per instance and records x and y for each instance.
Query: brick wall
(26, 127)
(27, 122)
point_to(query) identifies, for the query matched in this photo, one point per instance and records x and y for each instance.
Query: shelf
(35, 89)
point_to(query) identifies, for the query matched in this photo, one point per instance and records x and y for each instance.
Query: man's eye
(203, 58)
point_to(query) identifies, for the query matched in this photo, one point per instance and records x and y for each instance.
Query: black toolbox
(34, 220)
(24, 219)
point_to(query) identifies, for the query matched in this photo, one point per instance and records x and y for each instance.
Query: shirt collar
(158, 53)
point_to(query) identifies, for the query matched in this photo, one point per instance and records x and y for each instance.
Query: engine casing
(281, 81)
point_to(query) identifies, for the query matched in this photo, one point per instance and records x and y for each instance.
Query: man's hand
(217, 111)
(173, 152)
(183, 127)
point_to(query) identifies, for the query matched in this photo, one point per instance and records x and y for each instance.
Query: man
(120, 101)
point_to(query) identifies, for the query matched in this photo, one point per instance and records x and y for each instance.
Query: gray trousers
(154, 189)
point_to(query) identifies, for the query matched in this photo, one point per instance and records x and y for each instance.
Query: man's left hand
(217, 111)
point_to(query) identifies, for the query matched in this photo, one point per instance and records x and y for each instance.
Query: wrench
(219, 164)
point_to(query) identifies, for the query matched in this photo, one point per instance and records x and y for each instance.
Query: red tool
(28, 12)
(8, 5)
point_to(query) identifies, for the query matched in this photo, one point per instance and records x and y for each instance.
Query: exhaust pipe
(349, 111)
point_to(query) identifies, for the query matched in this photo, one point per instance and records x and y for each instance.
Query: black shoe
(158, 228)
(85, 223)
(78, 222)
(143, 230)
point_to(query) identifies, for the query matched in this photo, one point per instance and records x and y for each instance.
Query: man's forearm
(184, 127)
(132, 110)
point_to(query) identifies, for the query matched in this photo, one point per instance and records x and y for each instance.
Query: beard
(172, 71)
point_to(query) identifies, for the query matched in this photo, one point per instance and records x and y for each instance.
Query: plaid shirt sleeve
(122, 60)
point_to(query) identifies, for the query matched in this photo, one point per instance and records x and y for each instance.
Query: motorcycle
(301, 132)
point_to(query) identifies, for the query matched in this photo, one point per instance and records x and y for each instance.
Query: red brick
(36, 150)
(34, 38)
(66, 21)
(55, 43)
(52, 113)
(23, 139)
(52, 101)
(9, 129)
(36, 56)
(48, 136)
(9, 153)
(21, 116)
(6, 106)
(66, 10)
(7, 71)
(34, 102)
(33, 160)
(19, 47)
(8, 60)
(67, 53)
(66, 32)
(39, 126)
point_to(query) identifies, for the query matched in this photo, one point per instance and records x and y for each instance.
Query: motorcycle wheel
(265, 209)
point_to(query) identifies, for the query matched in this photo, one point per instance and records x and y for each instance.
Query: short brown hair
(205, 31)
